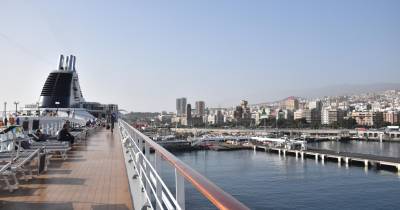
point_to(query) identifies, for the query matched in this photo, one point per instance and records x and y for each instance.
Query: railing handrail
(212, 192)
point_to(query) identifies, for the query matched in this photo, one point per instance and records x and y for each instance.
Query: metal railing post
(180, 189)
(47, 128)
(157, 164)
(53, 126)
(147, 169)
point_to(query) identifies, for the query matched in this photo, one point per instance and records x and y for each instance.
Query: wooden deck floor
(93, 177)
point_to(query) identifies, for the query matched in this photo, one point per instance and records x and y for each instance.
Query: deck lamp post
(5, 114)
(16, 107)
(57, 104)
(38, 109)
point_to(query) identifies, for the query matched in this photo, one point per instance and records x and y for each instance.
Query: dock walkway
(356, 155)
(93, 177)
(346, 157)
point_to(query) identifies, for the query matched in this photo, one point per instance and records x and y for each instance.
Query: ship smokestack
(71, 59)
(61, 64)
(73, 64)
(66, 64)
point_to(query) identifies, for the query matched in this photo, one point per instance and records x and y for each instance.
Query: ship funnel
(73, 64)
(66, 64)
(71, 59)
(61, 64)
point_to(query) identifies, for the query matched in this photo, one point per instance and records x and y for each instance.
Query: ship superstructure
(62, 89)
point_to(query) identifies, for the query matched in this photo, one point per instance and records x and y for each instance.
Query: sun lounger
(20, 162)
(5, 174)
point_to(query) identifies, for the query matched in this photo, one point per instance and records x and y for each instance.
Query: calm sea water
(267, 181)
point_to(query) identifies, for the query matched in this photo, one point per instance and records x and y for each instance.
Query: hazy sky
(144, 54)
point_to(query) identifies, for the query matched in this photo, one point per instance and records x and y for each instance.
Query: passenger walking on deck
(113, 118)
(17, 121)
(65, 135)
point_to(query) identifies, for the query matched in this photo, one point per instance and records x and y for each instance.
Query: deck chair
(6, 174)
(21, 162)
(51, 147)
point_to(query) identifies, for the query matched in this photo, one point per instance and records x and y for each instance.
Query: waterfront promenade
(93, 177)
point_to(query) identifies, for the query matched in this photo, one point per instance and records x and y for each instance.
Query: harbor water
(268, 181)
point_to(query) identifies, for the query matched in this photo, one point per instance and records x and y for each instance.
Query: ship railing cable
(156, 191)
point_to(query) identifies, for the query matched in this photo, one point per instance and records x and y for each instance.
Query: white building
(325, 115)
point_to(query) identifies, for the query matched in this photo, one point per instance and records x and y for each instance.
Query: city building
(315, 116)
(242, 114)
(335, 115)
(363, 118)
(325, 115)
(181, 106)
(261, 114)
(299, 114)
(377, 119)
(165, 117)
(188, 119)
(200, 108)
(291, 103)
(315, 105)
(391, 117)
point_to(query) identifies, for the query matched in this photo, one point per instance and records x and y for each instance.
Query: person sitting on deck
(39, 136)
(64, 134)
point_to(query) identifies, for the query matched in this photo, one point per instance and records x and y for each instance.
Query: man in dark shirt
(113, 119)
(64, 135)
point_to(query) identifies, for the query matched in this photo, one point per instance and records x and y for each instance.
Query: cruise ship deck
(92, 177)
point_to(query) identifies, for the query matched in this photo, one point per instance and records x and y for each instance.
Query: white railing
(156, 192)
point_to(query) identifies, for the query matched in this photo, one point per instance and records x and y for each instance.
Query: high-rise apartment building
(325, 115)
(200, 108)
(189, 115)
(181, 106)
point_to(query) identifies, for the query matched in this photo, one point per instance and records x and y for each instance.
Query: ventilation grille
(57, 84)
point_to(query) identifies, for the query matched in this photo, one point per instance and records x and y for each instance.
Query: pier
(347, 158)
